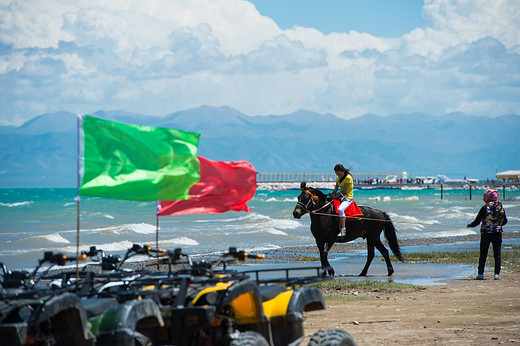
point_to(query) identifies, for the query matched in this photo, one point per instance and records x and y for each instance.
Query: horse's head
(308, 200)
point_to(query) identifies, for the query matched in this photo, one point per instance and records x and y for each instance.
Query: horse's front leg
(324, 248)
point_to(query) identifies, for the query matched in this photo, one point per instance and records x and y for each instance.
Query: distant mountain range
(43, 151)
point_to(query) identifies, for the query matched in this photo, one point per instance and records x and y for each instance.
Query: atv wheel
(332, 337)
(249, 338)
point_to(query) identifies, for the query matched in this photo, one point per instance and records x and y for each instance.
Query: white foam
(179, 242)
(57, 238)
(396, 218)
(141, 228)
(274, 231)
(283, 224)
(456, 212)
(256, 221)
(447, 234)
(108, 247)
(249, 216)
(273, 199)
(54, 237)
(16, 204)
(264, 247)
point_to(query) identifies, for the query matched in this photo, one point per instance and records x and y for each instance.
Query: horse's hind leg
(370, 257)
(382, 249)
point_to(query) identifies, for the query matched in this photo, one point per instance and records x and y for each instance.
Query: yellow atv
(262, 311)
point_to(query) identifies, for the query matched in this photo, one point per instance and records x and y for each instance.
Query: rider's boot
(343, 230)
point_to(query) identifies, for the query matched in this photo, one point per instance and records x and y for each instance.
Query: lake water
(36, 220)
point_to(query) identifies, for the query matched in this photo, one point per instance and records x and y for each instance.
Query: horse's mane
(316, 192)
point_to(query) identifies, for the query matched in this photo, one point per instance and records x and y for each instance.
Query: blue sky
(260, 57)
(382, 18)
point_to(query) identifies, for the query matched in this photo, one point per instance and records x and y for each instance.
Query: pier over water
(292, 177)
(375, 180)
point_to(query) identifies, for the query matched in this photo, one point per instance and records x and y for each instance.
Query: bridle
(311, 201)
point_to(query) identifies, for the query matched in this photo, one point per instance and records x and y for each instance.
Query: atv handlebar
(242, 255)
(60, 258)
(145, 250)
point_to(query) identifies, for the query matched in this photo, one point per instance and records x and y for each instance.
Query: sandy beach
(463, 312)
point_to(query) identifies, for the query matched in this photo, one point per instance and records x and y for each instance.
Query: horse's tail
(391, 236)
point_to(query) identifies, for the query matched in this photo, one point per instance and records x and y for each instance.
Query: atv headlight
(25, 312)
(211, 298)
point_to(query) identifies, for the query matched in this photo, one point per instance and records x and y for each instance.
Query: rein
(361, 218)
(314, 198)
(320, 208)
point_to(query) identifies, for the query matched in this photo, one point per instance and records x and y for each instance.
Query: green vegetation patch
(339, 284)
(345, 298)
(465, 257)
(348, 290)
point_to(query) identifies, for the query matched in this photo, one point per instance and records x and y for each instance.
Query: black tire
(332, 337)
(249, 338)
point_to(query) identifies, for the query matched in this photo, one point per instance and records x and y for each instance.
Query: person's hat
(490, 195)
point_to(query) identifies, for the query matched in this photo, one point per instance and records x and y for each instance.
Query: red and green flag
(223, 186)
(144, 163)
(138, 163)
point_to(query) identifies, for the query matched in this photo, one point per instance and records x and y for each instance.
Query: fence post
(504, 192)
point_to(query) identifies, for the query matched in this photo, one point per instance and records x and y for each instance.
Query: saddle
(352, 210)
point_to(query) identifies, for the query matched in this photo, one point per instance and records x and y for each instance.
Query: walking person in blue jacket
(492, 215)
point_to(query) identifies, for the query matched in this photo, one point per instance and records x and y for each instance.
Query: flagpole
(78, 199)
(157, 233)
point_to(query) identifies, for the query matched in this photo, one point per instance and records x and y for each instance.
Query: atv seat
(271, 291)
(96, 306)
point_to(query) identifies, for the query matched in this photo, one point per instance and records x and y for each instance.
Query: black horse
(325, 228)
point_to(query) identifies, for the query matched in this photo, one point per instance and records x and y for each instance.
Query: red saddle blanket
(352, 210)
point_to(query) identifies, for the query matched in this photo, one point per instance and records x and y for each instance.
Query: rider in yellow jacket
(345, 185)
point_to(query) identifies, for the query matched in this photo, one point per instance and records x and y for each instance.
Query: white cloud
(166, 55)
(462, 21)
(31, 24)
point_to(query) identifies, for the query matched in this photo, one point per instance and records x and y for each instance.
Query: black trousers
(485, 240)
